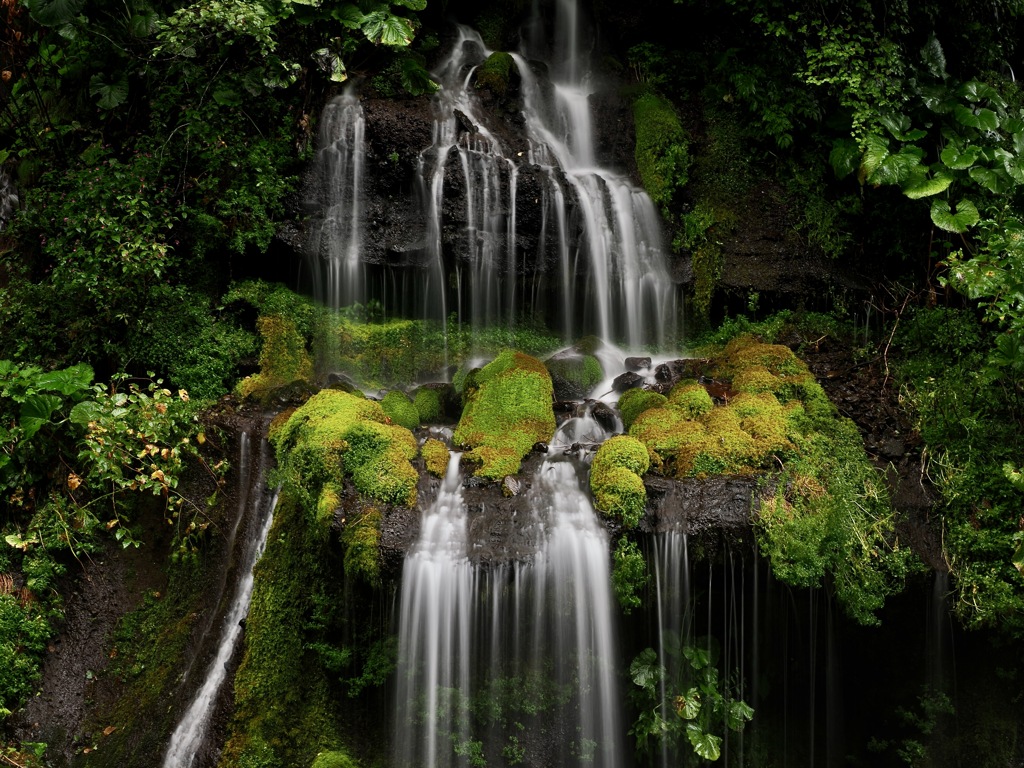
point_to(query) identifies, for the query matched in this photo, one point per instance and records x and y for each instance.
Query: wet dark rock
(465, 124)
(637, 363)
(540, 448)
(697, 505)
(627, 380)
(342, 382)
(605, 415)
(892, 448)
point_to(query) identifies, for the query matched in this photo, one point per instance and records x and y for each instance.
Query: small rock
(605, 416)
(540, 447)
(510, 486)
(628, 380)
(637, 363)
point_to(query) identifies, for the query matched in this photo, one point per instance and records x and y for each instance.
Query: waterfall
(485, 647)
(255, 509)
(8, 198)
(335, 197)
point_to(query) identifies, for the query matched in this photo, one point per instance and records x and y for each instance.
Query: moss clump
(361, 538)
(495, 73)
(667, 433)
(635, 401)
(662, 151)
(508, 409)
(577, 375)
(400, 409)
(327, 504)
(429, 404)
(335, 434)
(283, 359)
(615, 479)
(691, 399)
(435, 456)
(335, 759)
(745, 352)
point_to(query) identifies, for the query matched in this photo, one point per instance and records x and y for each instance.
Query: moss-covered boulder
(635, 401)
(508, 408)
(691, 398)
(284, 360)
(336, 434)
(400, 409)
(435, 457)
(574, 375)
(496, 73)
(615, 479)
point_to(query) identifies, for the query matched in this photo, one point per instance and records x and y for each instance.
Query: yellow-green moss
(746, 351)
(435, 456)
(327, 503)
(400, 409)
(429, 405)
(615, 479)
(665, 432)
(361, 538)
(335, 433)
(507, 410)
(283, 358)
(662, 152)
(691, 399)
(334, 759)
(582, 372)
(635, 401)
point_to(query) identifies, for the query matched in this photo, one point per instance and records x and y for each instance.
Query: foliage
(696, 699)
(508, 408)
(334, 759)
(629, 575)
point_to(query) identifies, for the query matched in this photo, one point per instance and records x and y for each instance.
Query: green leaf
(688, 705)
(68, 381)
(412, 5)
(844, 157)
(143, 22)
(645, 671)
(898, 168)
(1018, 558)
(953, 158)
(227, 97)
(36, 411)
(938, 98)
(349, 16)
(739, 714)
(53, 13)
(416, 79)
(994, 180)
(15, 540)
(706, 745)
(982, 119)
(899, 127)
(919, 185)
(975, 91)
(85, 412)
(1014, 165)
(384, 28)
(876, 150)
(112, 94)
(966, 216)
(698, 657)
(934, 58)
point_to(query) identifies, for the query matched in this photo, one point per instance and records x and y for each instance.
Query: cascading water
(335, 197)
(8, 198)
(255, 511)
(484, 647)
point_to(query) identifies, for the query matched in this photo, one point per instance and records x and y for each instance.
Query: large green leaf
(920, 185)
(143, 22)
(953, 158)
(349, 15)
(384, 28)
(844, 157)
(706, 745)
(938, 98)
(876, 149)
(84, 412)
(36, 411)
(975, 91)
(53, 13)
(688, 705)
(645, 671)
(898, 168)
(739, 714)
(982, 119)
(110, 94)
(698, 657)
(995, 180)
(68, 381)
(966, 216)
(1014, 165)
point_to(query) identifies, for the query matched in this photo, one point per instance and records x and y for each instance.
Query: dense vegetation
(151, 189)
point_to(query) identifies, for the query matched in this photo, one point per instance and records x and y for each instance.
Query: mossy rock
(574, 376)
(508, 409)
(336, 759)
(635, 401)
(284, 360)
(615, 479)
(336, 434)
(496, 73)
(400, 409)
(746, 351)
(691, 399)
(436, 456)
(430, 404)
(361, 538)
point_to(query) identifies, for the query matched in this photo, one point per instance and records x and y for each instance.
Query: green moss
(581, 372)
(429, 405)
(635, 401)
(400, 409)
(327, 504)
(666, 432)
(495, 72)
(620, 494)
(662, 151)
(335, 433)
(335, 759)
(508, 409)
(436, 456)
(283, 358)
(621, 451)
(361, 538)
(691, 399)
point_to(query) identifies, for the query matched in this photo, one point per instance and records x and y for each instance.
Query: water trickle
(8, 198)
(335, 198)
(257, 503)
